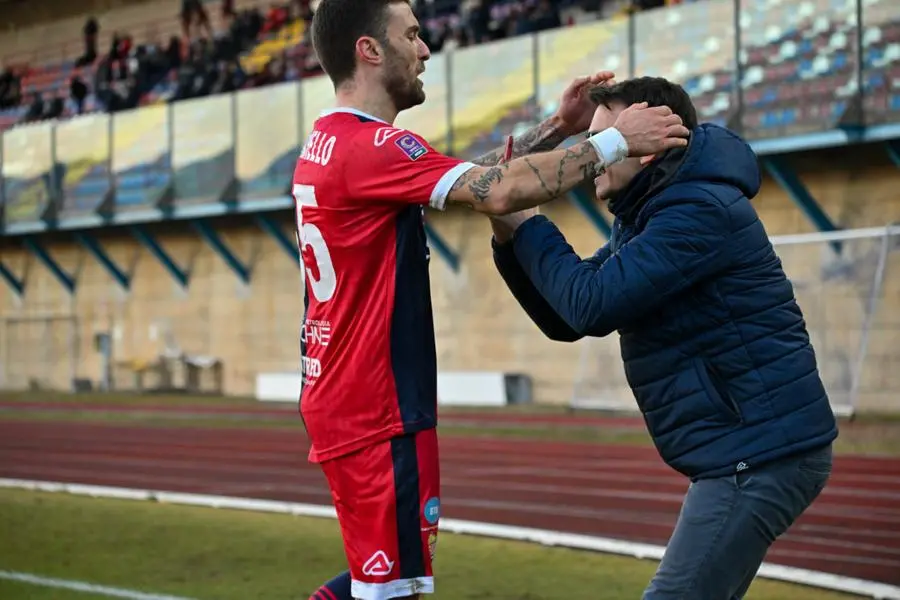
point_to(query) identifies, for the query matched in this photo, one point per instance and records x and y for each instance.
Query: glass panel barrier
(572, 52)
(881, 69)
(317, 94)
(493, 90)
(798, 60)
(27, 174)
(142, 159)
(431, 120)
(82, 152)
(268, 138)
(691, 44)
(203, 152)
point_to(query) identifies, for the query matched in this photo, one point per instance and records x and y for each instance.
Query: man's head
(372, 44)
(611, 100)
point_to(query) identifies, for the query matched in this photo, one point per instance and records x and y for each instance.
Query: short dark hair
(337, 24)
(655, 91)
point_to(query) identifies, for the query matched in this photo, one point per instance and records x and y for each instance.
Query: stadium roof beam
(67, 281)
(15, 284)
(218, 246)
(180, 275)
(785, 176)
(442, 247)
(284, 241)
(582, 200)
(100, 255)
(893, 149)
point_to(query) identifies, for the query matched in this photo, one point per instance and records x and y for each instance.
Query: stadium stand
(186, 143)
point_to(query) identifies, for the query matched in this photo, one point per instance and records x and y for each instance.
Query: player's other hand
(649, 130)
(504, 226)
(576, 109)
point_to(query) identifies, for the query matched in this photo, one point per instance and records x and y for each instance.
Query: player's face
(618, 176)
(405, 57)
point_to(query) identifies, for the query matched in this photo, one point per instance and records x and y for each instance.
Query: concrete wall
(47, 335)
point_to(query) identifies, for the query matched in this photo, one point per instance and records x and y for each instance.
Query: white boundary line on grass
(80, 586)
(861, 587)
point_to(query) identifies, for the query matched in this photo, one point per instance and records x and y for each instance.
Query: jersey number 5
(315, 258)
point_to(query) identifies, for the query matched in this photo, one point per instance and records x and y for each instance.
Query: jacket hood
(714, 154)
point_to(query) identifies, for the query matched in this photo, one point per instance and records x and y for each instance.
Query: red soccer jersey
(367, 345)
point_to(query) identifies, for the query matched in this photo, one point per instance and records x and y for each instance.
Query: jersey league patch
(411, 147)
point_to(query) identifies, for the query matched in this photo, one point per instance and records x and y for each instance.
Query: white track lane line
(81, 586)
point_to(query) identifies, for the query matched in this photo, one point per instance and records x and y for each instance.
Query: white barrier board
(455, 388)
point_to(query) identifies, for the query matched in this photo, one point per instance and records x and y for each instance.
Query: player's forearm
(533, 180)
(544, 136)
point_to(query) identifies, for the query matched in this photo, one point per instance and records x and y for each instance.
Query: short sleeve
(387, 164)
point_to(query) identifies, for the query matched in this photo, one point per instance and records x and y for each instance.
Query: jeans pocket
(815, 468)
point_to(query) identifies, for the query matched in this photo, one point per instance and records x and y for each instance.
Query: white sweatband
(610, 146)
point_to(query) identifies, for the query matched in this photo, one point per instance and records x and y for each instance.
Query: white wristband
(610, 146)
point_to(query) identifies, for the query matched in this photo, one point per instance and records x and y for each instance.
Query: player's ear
(369, 50)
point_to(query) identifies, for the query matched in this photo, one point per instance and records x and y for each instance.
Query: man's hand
(504, 226)
(576, 109)
(651, 130)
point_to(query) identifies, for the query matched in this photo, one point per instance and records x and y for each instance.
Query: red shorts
(387, 498)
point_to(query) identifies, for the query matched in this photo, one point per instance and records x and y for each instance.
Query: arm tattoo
(480, 185)
(544, 136)
(577, 154)
(582, 158)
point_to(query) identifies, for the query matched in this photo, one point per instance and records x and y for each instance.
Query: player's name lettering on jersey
(316, 332)
(318, 148)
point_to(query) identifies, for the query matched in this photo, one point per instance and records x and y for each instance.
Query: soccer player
(369, 396)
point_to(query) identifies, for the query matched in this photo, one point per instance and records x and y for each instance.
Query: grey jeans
(727, 524)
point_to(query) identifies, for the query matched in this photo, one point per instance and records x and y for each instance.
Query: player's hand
(576, 110)
(649, 130)
(504, 226)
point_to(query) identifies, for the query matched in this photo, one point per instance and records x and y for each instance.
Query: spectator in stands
(10, 89)
(545, 16)
(91, 29)
(55, 108)
(275, 19)
(78, 91)
(173, 52)
(193, 13)
(230, 78)
(35, 109)
(715, 347)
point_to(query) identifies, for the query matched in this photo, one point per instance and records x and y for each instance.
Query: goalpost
(840, 280)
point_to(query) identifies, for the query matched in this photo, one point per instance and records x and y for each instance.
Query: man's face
(618, 176)
(405, 56)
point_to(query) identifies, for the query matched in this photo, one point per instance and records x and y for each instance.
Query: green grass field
(209, 554)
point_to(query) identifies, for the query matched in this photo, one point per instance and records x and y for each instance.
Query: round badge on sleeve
(432, 510)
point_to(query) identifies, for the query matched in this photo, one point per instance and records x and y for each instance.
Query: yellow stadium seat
(290, 35)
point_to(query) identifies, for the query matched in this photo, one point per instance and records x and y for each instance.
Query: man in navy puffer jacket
(715, 347)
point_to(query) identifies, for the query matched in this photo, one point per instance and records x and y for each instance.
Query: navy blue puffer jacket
(714, 344)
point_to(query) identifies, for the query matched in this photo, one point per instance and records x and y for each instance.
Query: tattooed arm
(544, 136)
(529, 181)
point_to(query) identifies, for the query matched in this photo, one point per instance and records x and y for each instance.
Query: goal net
(848, 286)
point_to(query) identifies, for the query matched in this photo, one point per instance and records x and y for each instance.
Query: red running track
(853, 529)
